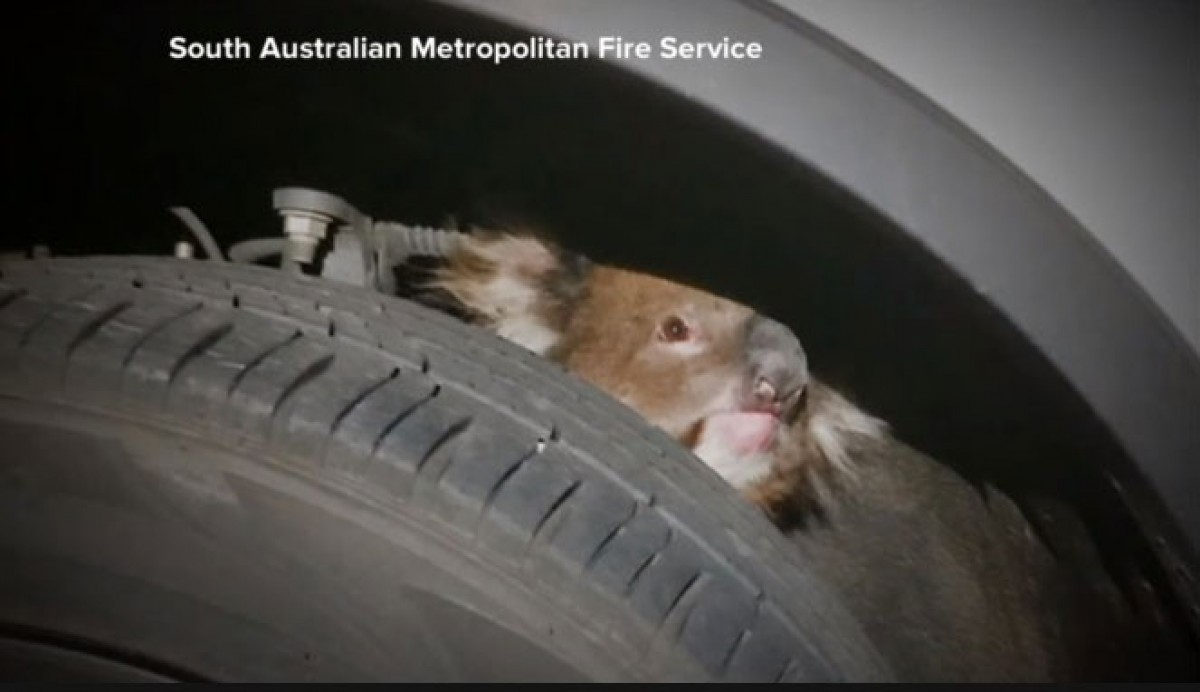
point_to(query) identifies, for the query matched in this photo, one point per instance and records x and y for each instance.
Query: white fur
(528, 333)
(837, 420)
(739, 471)
(515, 317)
(508, 300)
(689, 348)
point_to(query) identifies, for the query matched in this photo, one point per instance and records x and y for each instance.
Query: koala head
(712, 373)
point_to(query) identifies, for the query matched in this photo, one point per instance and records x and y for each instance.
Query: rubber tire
(221, 472)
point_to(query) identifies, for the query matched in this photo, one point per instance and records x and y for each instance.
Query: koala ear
(519, 286)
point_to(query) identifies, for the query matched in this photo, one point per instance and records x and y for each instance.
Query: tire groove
(693, 584)
(198, 349)
(94, 324)
(11, 296)
(728, 657)
(446, 441)
(397, 420)
(555, 508)
(358, 399)
(311, 372)
(610, 537)
(257, 360)
(51, 310)
(743, 636)
(155, 329)
(499, 484)
(650, 560)
(787, 668)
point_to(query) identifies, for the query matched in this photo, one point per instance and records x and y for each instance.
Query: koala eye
(674, 329)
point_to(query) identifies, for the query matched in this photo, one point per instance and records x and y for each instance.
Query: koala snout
(777, 367)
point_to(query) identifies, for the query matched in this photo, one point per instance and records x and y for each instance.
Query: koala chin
(728, 383)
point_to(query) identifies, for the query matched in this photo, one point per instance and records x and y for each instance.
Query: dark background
(108, 131)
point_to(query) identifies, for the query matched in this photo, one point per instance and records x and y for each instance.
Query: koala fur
(787, 454)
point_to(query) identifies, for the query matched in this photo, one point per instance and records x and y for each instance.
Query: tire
(219, 472)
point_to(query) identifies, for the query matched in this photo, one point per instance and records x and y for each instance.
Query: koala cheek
(739, 434)
(736, 446)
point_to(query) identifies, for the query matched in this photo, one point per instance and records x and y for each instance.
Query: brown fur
(605, 319)
(606, 342)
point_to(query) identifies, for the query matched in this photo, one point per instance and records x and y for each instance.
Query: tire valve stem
(304, 230)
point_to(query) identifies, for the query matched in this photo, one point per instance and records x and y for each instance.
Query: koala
(728, 383)
(954, 585)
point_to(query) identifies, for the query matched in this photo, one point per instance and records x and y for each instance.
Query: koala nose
(777, 362)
